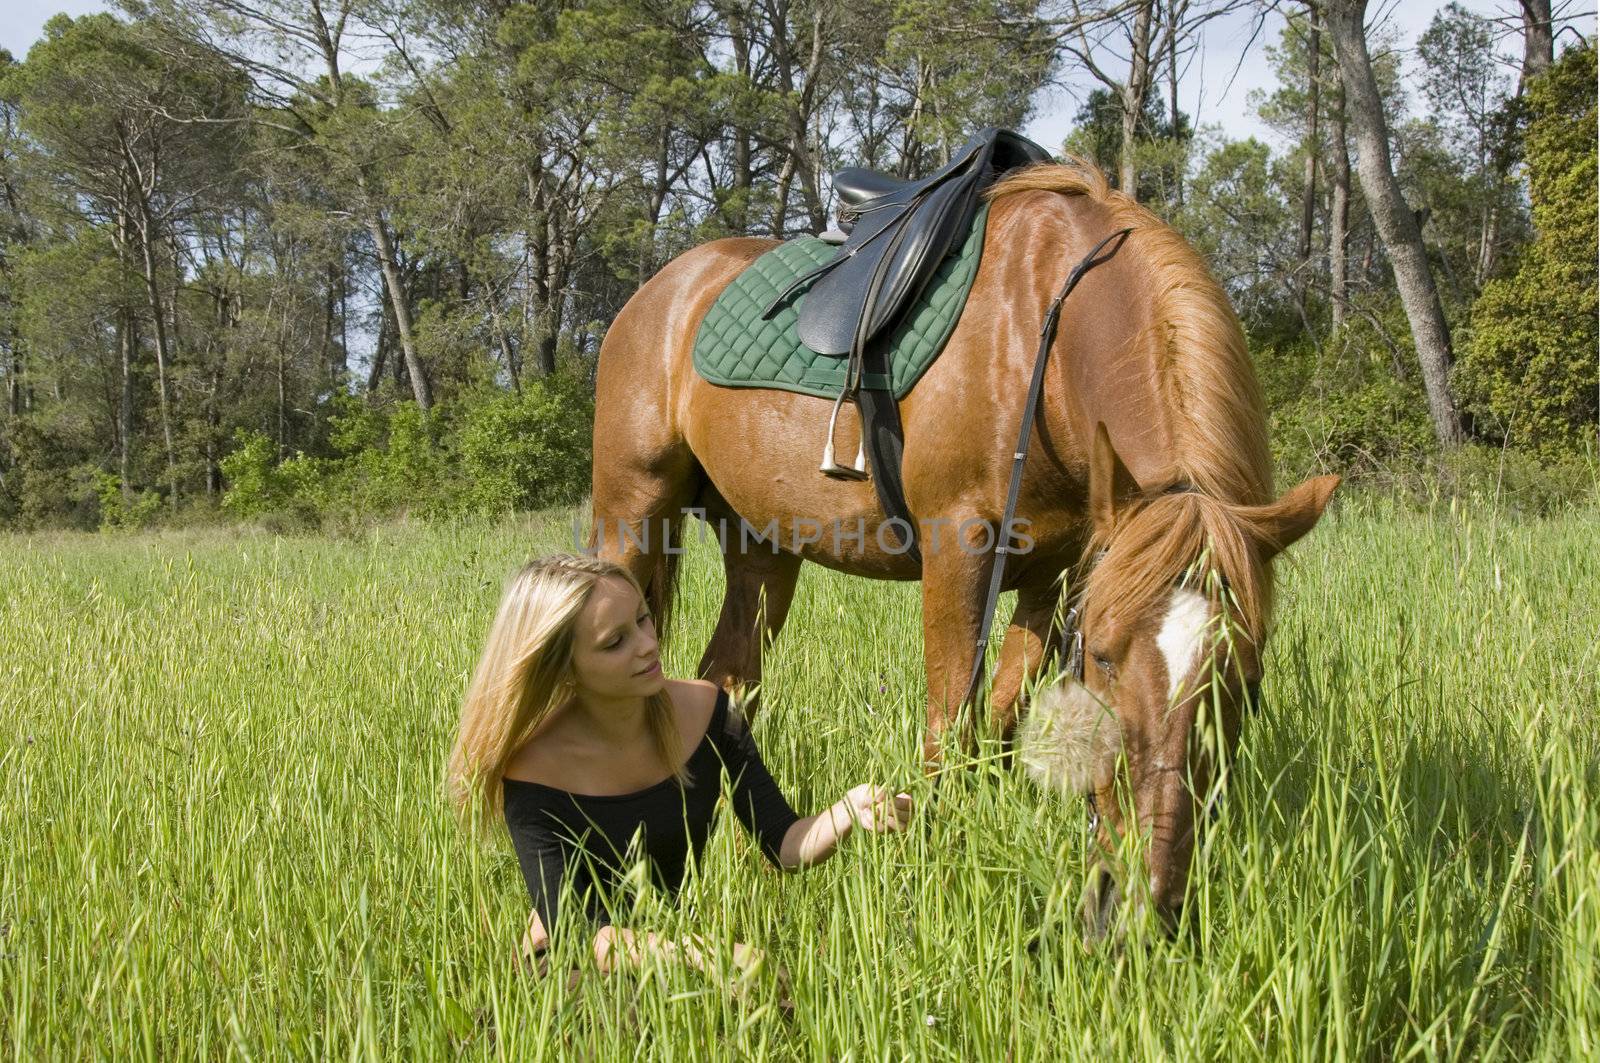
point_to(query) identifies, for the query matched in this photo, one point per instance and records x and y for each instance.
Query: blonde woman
(571, 733)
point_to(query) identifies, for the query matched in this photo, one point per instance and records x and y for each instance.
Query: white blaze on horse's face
(1182, 636)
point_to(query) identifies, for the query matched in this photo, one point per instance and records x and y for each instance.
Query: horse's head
(1173, 617)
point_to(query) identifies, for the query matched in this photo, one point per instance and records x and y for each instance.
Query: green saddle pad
(735, 348)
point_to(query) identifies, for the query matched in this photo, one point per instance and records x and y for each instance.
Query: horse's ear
(1279, 524)
(1110, 483)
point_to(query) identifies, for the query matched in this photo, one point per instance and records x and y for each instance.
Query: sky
(1215, 88)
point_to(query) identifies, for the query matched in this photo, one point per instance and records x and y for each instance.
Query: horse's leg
(638, 504)
(955, 576)
(760, 588)
(1034, 633)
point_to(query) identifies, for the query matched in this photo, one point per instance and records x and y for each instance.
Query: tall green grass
(223, 837)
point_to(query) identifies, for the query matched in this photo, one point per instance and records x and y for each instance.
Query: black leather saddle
(898, 233)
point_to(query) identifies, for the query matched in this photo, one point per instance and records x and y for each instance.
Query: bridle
(1072, 641)
(1072, 630)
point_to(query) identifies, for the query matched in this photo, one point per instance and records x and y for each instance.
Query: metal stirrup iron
(831, 467)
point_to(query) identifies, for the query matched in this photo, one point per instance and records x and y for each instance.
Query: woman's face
(614, 653)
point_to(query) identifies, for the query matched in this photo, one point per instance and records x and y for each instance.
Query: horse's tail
(662, 592)
(661, 582)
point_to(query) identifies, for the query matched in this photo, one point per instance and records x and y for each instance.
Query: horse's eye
(1103, 663)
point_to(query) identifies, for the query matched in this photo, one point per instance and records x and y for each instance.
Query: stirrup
(829, 467)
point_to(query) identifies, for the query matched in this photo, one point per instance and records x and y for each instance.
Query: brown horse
(1149, 352)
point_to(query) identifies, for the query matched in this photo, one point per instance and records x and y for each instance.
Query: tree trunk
(743, 177)
(375, 373)
(1313, 139)
(213, 431)
(909, 166)
(158, 320)
(325, 355)
(780, 209)
(1339, 215)
(1396, 225)
(14, 383)
(343, 363)
(402, 313)
(1488, 245)
(127, 351)
(125, 348)
(328, 39)
(1172, 94)
(1538, 40)
(1133, 97)
(282, 382)
(535, 253)
(798, 112)
(656, 198)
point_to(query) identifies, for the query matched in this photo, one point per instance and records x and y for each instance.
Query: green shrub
(1528, 369)
(51, 481)
(500, 452)
(121, 513)
(1342, 409)
(249, 469)
(1520, 482)
(527, 451)
(400, 469)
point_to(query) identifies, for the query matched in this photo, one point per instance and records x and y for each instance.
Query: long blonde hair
(522, 677)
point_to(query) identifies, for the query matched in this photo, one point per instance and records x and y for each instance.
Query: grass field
(223, 837)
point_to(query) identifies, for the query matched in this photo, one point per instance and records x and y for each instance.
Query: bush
(501, 452)
(52, 478)
(259, 486)
(1342, 409)
(528, 451)
(1520, 482)
(120, 513)
(1528, 370)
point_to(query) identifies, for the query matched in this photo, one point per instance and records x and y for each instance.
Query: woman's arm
(788, 840)
(813, 839)
(543, 858)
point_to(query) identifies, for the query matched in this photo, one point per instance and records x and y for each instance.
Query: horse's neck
(1119, 382)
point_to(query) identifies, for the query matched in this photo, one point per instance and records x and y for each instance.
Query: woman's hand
(874, 808)
(531, 953)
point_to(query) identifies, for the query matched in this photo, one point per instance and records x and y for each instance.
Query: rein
(1002, 549)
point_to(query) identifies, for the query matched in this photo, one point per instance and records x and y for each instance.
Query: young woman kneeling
(570, 731)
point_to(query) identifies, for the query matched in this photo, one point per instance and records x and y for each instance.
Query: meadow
(224, 837)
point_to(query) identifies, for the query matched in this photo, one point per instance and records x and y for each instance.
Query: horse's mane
(1220, 458)
(1184, 537)
(1218, 413)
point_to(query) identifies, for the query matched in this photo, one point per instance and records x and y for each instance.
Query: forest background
(323, 262)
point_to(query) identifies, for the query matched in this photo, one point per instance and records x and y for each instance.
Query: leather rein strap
(1002, 549)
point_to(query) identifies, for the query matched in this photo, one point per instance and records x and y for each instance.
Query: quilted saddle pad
(735, 348)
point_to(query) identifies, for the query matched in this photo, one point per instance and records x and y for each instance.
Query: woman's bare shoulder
(539, 762)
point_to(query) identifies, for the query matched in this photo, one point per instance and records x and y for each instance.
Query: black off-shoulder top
(559, 835)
